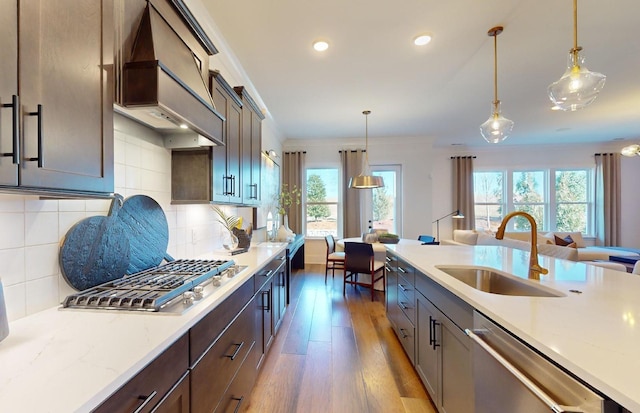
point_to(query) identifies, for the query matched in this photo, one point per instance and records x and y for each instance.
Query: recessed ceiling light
(422, 39)
(320, 45)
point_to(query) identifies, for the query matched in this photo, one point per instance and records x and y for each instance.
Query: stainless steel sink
(496, 282)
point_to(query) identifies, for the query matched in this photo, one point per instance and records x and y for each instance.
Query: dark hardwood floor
(336, 353)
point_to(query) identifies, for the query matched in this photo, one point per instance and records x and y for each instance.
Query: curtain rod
(463, 157)
(295, 152)
(603, 154)
(352, 150)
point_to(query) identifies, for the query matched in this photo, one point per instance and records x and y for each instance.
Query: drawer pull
(404, 333)
(403, 306)
(402, 270)
(239, 400)
(402, 287)
(235, 353)
(266, 274)
(145, 402)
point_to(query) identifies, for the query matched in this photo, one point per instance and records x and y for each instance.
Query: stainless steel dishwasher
(511, 377)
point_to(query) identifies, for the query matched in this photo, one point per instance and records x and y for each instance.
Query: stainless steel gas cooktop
(171, 288)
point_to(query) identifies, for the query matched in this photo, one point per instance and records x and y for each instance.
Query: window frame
(550, 203)
(337, 203)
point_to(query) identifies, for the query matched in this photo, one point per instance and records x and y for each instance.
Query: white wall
(539, 156)
(413, 154)
(33, 229)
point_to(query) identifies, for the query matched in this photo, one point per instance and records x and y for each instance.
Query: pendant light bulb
(497, 128)
(578, 86)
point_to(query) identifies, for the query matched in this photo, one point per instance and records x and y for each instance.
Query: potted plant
(229, 222)
(286, 199)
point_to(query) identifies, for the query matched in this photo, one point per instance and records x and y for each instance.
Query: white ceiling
(443, 90)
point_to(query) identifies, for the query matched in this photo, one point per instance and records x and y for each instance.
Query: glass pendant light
(631, 150)
(366, 180)
(497, 128)
(578, 86)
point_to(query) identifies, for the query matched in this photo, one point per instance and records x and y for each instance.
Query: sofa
(549, 243)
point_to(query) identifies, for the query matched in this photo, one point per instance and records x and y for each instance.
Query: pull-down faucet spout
(534, 268)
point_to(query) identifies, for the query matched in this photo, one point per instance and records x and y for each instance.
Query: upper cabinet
(251, 136)
(56, 91)
(226, 159)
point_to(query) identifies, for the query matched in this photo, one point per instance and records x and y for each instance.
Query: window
(559, 200)
(528, 195)
(572, 201)
(489, 200)
(385, 201)
(321, 202)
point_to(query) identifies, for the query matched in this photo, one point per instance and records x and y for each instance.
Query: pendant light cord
(365, 165)
(495, 71)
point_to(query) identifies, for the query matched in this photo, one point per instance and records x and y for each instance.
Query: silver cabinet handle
(537, 391)
(15, 120)
(146, 400)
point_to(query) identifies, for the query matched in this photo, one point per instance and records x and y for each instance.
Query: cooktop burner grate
(149, 290)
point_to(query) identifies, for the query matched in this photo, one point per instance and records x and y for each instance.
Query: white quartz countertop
(65, 360)
(593, 334)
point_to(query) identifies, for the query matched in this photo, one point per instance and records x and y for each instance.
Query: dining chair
(335, 259)
(360, 259)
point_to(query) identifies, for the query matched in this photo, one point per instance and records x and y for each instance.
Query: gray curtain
(293, 170)
(608, 218)
(351, 161)
(463, 191)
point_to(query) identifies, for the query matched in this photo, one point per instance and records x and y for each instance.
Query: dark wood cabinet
(145, 391)
(214, 366)
(251, 136)
(226, 159)
(57, 97)
(216, 369)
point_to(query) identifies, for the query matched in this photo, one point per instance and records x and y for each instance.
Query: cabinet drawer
(236, 398)
(153, 382)
(261, 277)
(406, 334)
(213, 372)
(406, 271)
(205, 332)
(406, 301)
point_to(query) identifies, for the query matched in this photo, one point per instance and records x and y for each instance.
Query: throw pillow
(572, 245)
(563, 241)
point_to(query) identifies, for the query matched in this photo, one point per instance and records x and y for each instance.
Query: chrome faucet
(534, 268)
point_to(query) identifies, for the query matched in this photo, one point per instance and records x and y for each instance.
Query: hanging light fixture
(577, 87)
(497, 128)
(366, 180)
(631, 150)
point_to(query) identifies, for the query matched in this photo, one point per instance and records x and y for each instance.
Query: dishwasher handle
(537, 391)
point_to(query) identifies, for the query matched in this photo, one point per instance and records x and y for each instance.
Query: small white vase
(284, 232)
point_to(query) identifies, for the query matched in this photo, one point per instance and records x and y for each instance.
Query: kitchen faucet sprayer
(534, 268)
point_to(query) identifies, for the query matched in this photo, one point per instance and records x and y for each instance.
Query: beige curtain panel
(351, 161)
(293, 167)
(463, 191)
(608, 207)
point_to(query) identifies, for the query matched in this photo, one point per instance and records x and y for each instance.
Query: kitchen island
(590, 333)
(70, 360)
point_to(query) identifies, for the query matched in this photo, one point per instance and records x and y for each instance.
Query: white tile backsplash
(33, 228)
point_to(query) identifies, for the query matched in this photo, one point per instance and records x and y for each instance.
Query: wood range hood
(163, 87)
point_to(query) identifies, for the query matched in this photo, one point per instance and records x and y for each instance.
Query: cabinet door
(8, 89)
(219, 153)
(234, 123)
(391, 288)
(280, 294)
(427, 357)
(457, 388)
(66, 94)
